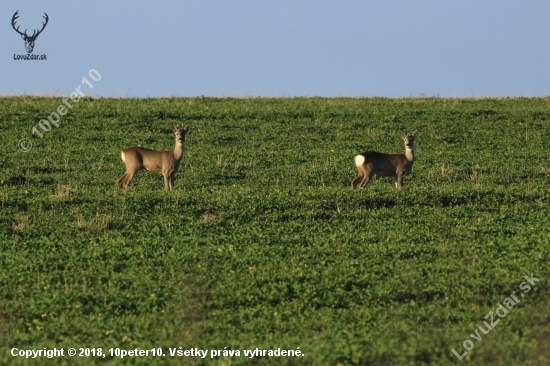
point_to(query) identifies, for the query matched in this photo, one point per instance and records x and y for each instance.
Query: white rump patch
(122, 156)
(359, 160)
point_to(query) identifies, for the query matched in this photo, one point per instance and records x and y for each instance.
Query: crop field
(262, 243)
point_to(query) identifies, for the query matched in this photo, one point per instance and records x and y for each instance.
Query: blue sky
(281, 48)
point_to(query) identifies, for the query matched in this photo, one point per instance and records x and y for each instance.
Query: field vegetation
(262, 243)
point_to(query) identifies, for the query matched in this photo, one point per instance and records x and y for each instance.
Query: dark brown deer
(386, 165)
(29, 40)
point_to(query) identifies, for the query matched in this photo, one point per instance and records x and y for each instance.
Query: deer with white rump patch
(386, 165)
(164, 162)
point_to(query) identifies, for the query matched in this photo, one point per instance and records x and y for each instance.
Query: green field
(262, 243)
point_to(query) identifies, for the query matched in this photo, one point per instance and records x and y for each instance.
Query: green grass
(262, 243)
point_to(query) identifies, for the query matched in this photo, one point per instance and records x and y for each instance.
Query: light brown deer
(164, 162)
(386, 165)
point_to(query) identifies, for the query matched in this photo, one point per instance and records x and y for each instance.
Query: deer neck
(409, 154)
(178, 150)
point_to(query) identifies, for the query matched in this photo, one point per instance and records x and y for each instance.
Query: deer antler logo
(29, 40)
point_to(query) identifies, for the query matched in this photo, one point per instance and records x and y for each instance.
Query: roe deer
(386, 165)
(164, 162)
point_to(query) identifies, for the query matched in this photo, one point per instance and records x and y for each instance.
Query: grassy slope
(262, 243)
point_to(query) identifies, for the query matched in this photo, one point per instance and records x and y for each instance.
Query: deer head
(408, 138)
(29, 40)
(180, 132)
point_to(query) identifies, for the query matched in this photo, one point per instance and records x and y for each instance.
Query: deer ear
(174, 128)
(23, 36)
(415, 133)
(187, 128)
(402, 134)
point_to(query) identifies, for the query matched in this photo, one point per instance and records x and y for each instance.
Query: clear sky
(391, 48)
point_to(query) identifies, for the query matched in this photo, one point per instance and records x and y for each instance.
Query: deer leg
(124, 180)
(166, 181)
(172, 175)
(120, 180)
(129, 176)
(357, 179)
(367, 175)
(399, 181)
